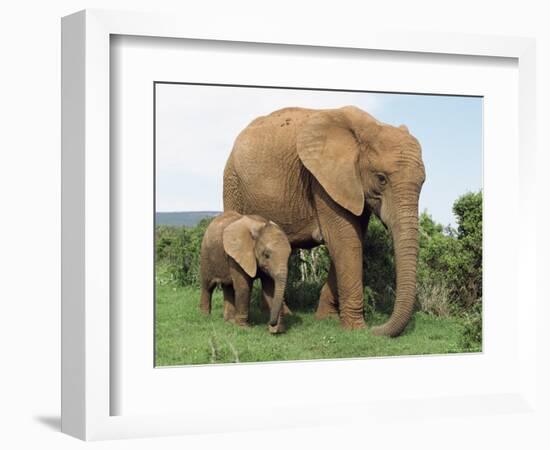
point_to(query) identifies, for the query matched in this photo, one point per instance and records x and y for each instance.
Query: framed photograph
(249, 216)
(189, 204)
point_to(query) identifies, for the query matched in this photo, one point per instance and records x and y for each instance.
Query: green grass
(185, 336)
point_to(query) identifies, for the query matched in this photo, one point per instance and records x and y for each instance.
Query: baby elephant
(235, 250)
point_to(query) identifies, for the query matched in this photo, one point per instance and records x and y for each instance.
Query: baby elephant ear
(239, 241)
(329, 149)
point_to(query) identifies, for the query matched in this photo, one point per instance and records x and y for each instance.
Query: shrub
(309, 265)
(451, 260)
(378, 267)
(164, 238)
(434, 298)
(178, 248)
(471, 337)
(467, 270)
(307, 272)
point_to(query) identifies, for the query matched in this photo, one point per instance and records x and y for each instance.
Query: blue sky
(196, 127)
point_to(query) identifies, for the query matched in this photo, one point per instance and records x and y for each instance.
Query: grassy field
(185, 336)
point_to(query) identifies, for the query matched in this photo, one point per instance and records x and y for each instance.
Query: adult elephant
(320, 174)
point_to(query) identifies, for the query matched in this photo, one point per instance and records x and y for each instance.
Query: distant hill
(183, 218)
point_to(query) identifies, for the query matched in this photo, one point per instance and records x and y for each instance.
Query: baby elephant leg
(242, 286)
(228, 303)
(206, 299)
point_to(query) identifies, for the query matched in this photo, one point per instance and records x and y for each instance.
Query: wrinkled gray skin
(235, 250)
(320, 174)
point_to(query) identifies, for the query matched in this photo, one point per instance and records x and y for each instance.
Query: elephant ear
(239, 241)
(328, 147)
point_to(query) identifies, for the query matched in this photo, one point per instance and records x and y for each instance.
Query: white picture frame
(87, 386)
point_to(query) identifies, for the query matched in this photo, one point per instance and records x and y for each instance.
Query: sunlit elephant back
(320, 174)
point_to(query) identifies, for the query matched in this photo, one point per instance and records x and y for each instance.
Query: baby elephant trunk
(278, 298)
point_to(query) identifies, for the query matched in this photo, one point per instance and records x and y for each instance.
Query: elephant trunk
(405, 240)
(278, 299)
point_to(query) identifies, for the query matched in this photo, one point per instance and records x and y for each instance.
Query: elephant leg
(206, 298)
(242, 286)
(343, 234)
(348, 263)
(228, 303)
(328, 300)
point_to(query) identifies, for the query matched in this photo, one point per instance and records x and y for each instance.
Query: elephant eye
(381, 179)
(267, 254)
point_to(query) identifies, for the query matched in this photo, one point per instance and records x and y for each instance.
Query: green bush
(178, 249)
(467, 270)
(471, 337)
(309, 265)
(437, 249)
(378, 268)
(307, 272)
(451, 260)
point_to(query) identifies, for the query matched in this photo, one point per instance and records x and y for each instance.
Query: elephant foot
(205, 311)
(354, 324)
